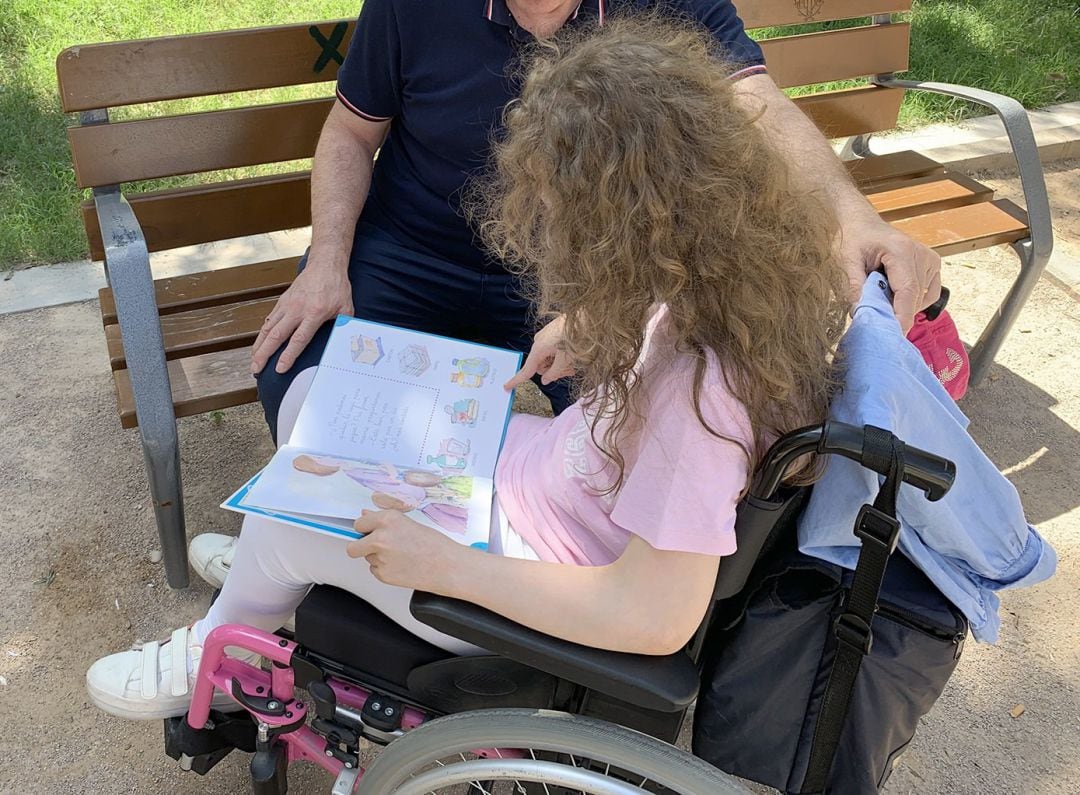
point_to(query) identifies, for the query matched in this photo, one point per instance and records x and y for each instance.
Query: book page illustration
(383, 393)
(299, 481)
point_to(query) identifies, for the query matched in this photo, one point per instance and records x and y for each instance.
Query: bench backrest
(95, 78)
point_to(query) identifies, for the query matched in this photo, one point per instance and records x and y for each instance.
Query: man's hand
(546, 357)
(403, 552)
(340, 178)
(913, 269)
(316, 295)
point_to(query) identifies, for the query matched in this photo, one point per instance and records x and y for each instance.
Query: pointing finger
(528, 369)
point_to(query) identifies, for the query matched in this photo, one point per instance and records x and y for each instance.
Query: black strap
(879, 531)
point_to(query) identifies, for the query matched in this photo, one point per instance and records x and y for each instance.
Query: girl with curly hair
(699, 299)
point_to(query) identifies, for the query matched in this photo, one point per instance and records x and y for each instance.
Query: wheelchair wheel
(553, 754)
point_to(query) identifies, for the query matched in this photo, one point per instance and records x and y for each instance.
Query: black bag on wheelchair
(814, 678)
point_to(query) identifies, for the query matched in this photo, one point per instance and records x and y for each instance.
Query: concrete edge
(980, 143)
(74, 282)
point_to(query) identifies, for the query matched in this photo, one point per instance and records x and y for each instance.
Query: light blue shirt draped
(973, 542)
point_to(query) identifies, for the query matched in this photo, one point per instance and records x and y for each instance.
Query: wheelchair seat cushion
(341, 627)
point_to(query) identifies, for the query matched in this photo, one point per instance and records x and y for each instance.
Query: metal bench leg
(993, 336)
(128, 265)
(162, 454)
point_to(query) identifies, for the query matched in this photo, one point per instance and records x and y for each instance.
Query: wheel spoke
(542, 772)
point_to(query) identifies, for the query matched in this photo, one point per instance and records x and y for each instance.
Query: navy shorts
(403, 287)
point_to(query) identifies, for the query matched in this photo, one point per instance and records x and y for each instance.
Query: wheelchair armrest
(665, 684)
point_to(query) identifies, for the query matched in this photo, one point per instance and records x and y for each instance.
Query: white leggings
(276, 564)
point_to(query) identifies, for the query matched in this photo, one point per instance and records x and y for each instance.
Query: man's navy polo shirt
(441, 70)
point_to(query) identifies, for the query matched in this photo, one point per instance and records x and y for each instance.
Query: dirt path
(76, 534)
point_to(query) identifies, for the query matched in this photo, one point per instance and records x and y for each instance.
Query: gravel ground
(77, 534)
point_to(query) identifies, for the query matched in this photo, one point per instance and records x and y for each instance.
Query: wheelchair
(536, 715)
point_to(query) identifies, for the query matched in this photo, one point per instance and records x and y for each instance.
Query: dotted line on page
(434, 389)
(427, 431)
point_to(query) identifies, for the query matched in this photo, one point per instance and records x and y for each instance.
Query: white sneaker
(211, 555)
(155, 681)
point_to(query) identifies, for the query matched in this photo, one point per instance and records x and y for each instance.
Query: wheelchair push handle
(931, 473)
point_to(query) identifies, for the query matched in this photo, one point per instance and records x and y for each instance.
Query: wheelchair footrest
(200, 749)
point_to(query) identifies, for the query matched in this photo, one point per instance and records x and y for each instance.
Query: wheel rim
(542, 753)
(547, 772)
(483, 777)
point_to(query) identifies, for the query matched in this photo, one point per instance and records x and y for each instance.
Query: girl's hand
(401, 551)
(546, 357)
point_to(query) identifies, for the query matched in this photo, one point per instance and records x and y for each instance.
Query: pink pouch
(939, 343)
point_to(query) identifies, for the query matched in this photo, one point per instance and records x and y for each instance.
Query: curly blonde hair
(630, 176)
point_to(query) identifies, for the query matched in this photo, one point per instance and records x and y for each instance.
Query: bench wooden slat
(853, 111)
(968, 228)
(776, 13)
(198, 331)
(142, 149)
(107, 154)
(202, 383)
(869, 171)
(213, 288)
(174, 67)
(837, 54)
(216, 211)
(923, 195)
(219, 211)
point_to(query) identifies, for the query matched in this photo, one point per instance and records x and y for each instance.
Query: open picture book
(394, 419)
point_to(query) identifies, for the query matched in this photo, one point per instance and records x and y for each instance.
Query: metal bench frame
(1035, 250)
(127, 270)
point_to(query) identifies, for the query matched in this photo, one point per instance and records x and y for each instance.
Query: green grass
(1028, 49)
(1025, 49)
(38, 199)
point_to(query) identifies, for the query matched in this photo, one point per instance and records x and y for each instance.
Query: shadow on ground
(1015, 423)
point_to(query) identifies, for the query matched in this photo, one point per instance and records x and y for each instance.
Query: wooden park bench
(179, 346)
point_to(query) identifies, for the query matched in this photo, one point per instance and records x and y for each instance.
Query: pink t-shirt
(681, 482)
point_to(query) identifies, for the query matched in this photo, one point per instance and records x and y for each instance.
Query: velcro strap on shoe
(178, 645)
(149, 683)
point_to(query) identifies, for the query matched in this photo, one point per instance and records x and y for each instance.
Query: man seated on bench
(425, 85)
(698, 343)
